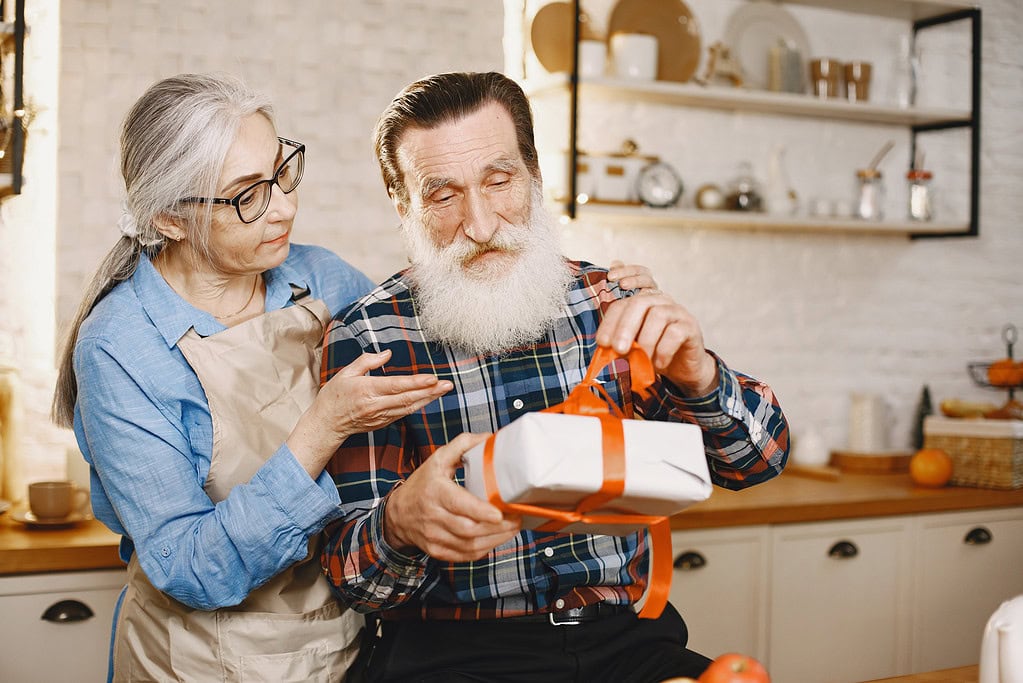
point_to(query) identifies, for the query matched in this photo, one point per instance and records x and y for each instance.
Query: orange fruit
(930, 467)
(1005, 373)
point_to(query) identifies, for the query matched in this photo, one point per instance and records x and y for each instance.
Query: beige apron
(259, 377)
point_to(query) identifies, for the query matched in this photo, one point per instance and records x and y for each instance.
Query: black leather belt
(575, 616)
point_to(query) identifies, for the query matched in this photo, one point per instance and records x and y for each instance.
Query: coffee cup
(56, 499)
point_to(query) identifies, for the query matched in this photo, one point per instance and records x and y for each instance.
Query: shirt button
(517, 404)
(549, 552)
(165, 552)
(559, 603)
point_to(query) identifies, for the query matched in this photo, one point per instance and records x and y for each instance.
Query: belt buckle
(565, 622)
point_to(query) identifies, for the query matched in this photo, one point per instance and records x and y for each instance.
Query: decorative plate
(674, 26)
(551, 35)
(753, 29)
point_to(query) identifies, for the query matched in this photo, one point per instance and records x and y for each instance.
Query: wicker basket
(985, 453)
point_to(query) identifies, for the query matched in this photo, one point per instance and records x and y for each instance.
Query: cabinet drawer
(39, 650)
(839, 592)
(968, 564)
(720, 589)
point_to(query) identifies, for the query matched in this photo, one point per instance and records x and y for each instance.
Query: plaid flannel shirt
(745, 434)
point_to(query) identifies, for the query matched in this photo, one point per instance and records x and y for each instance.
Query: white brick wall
(817, 316)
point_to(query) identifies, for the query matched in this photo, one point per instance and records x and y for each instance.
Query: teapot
(1001, 650)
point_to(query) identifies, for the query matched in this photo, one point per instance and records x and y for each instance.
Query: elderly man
(490, 304)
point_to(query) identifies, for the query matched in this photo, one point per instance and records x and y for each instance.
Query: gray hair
(173, 145)
(442, 98)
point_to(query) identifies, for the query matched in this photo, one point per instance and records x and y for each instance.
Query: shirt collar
(173, 316)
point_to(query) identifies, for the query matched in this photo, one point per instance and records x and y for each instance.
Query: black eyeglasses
(252, 202)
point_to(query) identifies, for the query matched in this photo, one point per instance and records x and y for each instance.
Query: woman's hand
(352, 402)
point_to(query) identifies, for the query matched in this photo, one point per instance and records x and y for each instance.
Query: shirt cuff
(395, 562)
(310, 505)
(715, 411)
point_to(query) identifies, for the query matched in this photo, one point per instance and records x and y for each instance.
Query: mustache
(509, 238)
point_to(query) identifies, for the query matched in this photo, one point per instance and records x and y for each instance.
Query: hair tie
(126, 223)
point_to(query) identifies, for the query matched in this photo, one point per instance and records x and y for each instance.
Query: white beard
(489, 310)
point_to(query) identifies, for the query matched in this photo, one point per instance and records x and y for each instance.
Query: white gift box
(555, 460)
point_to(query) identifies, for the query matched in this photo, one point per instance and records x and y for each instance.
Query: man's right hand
(430, 513)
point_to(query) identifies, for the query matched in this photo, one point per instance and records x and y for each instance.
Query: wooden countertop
(786, 499)
(87, 545)
(964, 674)
(793, 498)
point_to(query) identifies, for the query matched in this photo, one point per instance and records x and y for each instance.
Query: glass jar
(869, 200)
(921, 201)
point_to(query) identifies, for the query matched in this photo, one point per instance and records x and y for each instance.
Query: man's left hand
(668, 333)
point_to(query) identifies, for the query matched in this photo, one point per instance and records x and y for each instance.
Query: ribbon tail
(661, 570)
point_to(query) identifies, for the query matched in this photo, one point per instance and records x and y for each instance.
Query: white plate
(26, 517)
(753, 29)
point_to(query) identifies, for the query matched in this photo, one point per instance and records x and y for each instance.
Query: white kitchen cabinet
(719, 588)
(72, 642)
(967, 565)
(839, 600)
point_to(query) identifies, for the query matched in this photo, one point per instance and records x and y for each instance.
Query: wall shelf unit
(920, 15)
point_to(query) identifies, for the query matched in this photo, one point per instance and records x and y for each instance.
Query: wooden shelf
(692, 218)
(909, 10)
(741, 99)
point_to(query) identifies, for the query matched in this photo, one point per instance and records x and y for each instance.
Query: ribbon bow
(582, 401)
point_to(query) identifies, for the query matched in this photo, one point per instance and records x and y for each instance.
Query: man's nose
(480, 221)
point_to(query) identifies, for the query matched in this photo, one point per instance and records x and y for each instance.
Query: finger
(364, 363)
(623, 321)
(395, 385)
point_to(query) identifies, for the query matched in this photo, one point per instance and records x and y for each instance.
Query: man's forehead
(473, 142)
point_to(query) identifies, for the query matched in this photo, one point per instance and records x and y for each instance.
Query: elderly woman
(191, 378)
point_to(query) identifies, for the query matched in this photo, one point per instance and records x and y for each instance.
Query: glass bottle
(869, 200)
(921, 201)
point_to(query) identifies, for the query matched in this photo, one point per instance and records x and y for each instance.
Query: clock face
(659, 185)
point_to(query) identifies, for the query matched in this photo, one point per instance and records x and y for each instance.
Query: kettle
(1001, 651)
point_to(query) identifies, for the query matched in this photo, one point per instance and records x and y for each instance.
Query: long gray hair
(173, 145)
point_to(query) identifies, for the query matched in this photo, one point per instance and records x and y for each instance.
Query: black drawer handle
(67, 611)
(843, 550)
(690, 560)
(978, 536)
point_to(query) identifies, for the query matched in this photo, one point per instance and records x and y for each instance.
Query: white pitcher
(1001, 651)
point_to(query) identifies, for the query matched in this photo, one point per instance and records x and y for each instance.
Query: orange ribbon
(582, 401)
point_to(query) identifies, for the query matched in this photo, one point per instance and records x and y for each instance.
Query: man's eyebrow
(433, 184)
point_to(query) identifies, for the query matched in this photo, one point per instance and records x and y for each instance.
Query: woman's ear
(169, 227)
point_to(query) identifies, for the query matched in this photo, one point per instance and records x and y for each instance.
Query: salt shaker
(921, 204)
(869, 200)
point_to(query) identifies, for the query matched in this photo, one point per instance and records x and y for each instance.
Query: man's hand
(432, 514)
(632, 277)
(668, 333)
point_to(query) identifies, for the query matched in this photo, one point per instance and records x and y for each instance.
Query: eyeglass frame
(275, 180)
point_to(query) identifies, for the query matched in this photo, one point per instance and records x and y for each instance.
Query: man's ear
(169, 227)
(400, 206)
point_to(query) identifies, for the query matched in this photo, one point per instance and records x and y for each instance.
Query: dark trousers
(620, 648)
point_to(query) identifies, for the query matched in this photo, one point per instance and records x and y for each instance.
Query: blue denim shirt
(143, 423)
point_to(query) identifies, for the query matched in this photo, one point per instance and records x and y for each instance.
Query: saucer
(26, 517)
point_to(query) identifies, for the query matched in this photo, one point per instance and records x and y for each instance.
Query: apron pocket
(315, 646)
